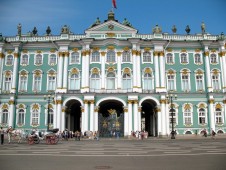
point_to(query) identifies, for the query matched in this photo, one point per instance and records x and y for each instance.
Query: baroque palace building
(114, 79)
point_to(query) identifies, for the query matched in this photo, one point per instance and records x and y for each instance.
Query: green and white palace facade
(112, 78)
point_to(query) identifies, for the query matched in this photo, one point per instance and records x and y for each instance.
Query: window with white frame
(185, 84)
(5, 116)
(169, 58)
(7, 81)
(184, 58)
(37, 81)
(111, 56)
(51, 82)
(126, 81)
(23, 82)
(51, 116)
(198, 59)
(147, 57)
(199, 82)
(213, 58)
(216, 81)
(218, 116)
(187, 116)
(74, 59)
(95, 56)
(126, 57)
(35, 116)
(52, 59)
(148, 81)
(9, 60)
(202, 116)
(38, 59)
(95, 81)
(24, 59)
(171, 82)
(74, 82)
(21, 117)
(111, 80)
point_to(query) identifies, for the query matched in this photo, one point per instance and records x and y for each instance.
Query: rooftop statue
(187, 29)
(48, 30)
(203, 28)
(157, 30)
(1, 38)
(97, 22)
(111, 16)
(127, 23)
(35, 31)
(174, 29)
(19, 29)
(65, 30)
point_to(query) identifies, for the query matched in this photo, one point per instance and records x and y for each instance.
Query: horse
(16, 134)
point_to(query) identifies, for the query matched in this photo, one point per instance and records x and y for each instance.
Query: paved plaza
(152, 153)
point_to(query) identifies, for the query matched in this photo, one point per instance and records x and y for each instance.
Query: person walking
(9, 132)
(2, 135)
(213, 133)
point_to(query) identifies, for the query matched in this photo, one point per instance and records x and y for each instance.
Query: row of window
(111, 57)
(74, 80)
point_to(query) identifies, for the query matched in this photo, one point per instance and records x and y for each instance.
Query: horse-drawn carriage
(51, 137)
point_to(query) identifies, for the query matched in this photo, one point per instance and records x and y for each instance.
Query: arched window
(52, 59)
(110, 80)
(202, 116)
(95, 56)
(146, 56)
(74, 82)
(111, 56)
(216, 80)
(21, 117)
(5, 115)
(126, 81)
(218, 116)
(51, 116)
(95, 81)
(171, 86)
(35, 115)
(38, 59)
(51, 82)
(199, 82)
(126, 57)
(24, 59)
(9, 60)
(148, 81)
(7, 81)
(37, 83)
(23, 83)
(74, 59)
(187, 115)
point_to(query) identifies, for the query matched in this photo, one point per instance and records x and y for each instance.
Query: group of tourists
(213, 133)
(77, 135)
(8, 132)
(139, 134)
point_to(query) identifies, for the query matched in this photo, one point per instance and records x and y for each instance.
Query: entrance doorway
(111, 119)
(73, 116)
(149, 118)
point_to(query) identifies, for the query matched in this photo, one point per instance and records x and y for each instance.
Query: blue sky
(142, 14)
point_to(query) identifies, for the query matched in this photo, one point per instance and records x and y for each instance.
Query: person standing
(213, 133)
(2, 135)
(9, 132)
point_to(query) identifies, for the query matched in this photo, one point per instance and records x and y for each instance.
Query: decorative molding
(103, 53)
(39, 51)
(95, 71)
(9, 51)
(218, 106)
(52, 50)
(111, 47)
(74, 71)
(110, 34)
(59, 101)
(2, 55)
(96, 48)
(25, 51)
(169, 50)
(183, 50)
(207, 53)
(126, 49)
(126, 71)
(148, 70)
(197, 50)
(16, 55)
(75, 49)
(211, 101)
(119, 54)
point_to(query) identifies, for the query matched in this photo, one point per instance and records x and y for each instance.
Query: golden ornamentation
(86, 101)
(125, 109)
(148, 71)
(39, 51)
(126, 49)
(2, 55)
(110, 34)
(75, 49)
(9, 51)
(112, 111)
(163, 101)
(222, 53)
(111, 69)
(134, 52)
(130, 101)
(119, 53)
(16, 55)
(135, 101)
(213, 50)
(127, 71)
(35, 107)
(110, 47)
(183, 50)
(197, 50)
(218, 106)
(156, 53)
(170, 72)
(215, 71)
(59, 101)
(187, 107)
(169, 49)
(202, 105)
(63, 109)
(95, 48)
(7, 74)
(139, 109)
(5, 106)
(52, 50)
(51, 73)
(211, 101)
(147, 49)
(200, 72)
(21, 106)
(95, 71)
(207, 53)
(92, 101)
(158, 109)
(38, 73)
(23, 73)
(96, 110)
(161, 53)
(184, 71)
(25, 51)
(224, 101)
(82, 109)
(103, 53)
(74, 71)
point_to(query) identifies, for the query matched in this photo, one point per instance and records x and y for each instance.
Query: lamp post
(49, 98)
(170, 97)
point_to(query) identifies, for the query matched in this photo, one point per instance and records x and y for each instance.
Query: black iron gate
(111, 124)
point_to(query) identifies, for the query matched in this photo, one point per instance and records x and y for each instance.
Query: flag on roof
(114, 3)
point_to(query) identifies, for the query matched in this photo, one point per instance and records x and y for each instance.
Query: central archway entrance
(149, 117)
(111, 118)
(73, 116)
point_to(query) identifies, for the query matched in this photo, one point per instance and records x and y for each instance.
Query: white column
(126, 121)
(15, 71)
(138, 57)
(83, 119)
(223, 63)
(167, 118)
(139, 118)
(63, 120)
(159, 121)
(58, 114)
(65, 75)
(96, 118)
(92, 123)
(60, 71)
(119, 70)
(87, 69)
(1, 68)
(163, 116)
(85, 115)
(134, 53)
(224, 101)
(130, 116)
(103, 56)
(11, 111)
(211, 114)
(135, 112)
(156, 62)
(162, 70)
(208, 76)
